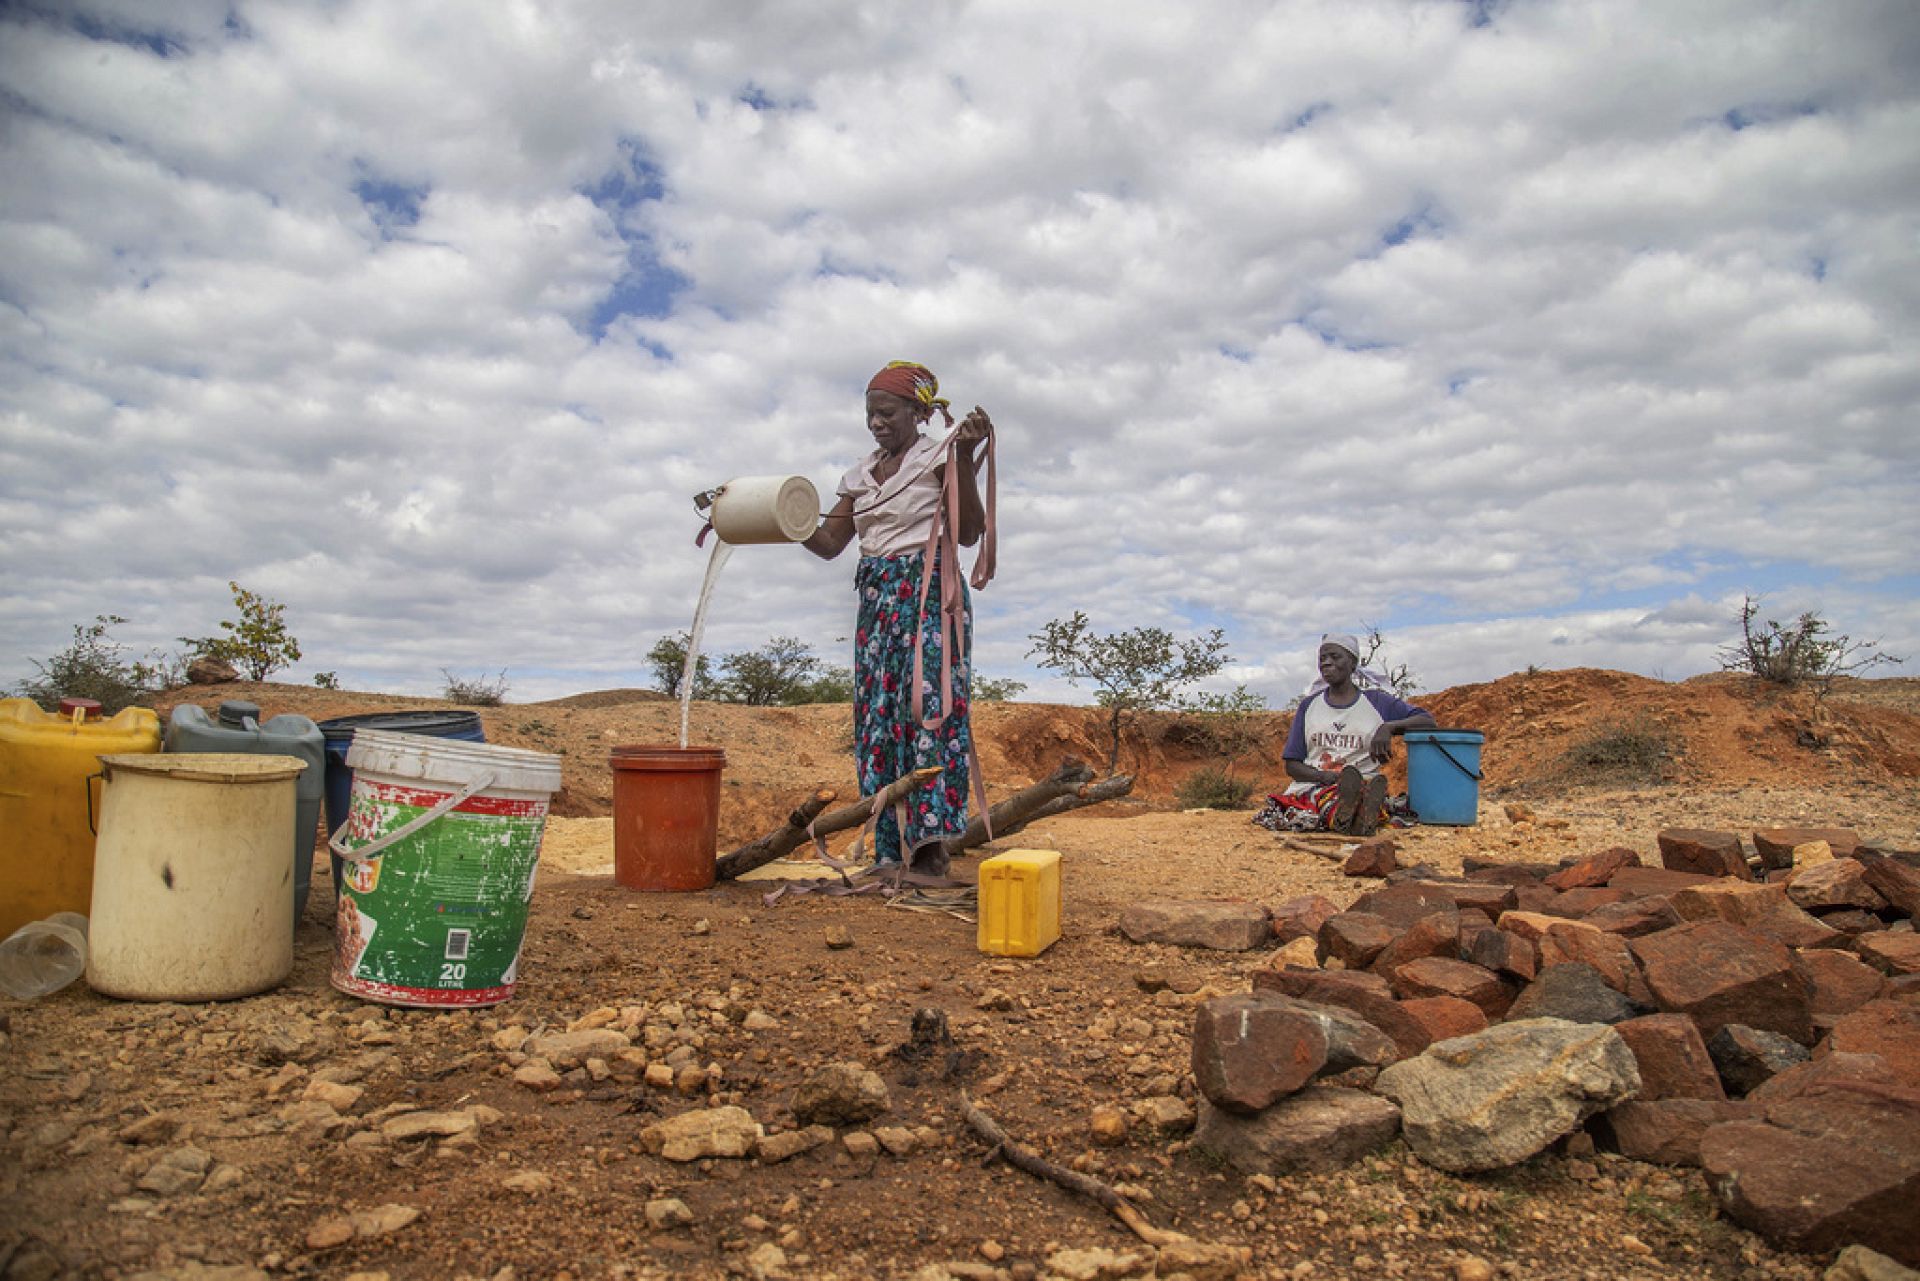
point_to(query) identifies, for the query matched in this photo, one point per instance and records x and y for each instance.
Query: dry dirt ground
(557, 1183)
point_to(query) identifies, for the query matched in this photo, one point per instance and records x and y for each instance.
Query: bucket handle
(1450, 757)
(365, 853)
(87, 784)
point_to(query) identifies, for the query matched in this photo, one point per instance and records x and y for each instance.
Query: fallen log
(1023, 807)
(1107, 789)
(789, 836)
(777, 843)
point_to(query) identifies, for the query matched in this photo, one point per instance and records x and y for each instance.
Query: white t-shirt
(894, 518)
(1332, 738)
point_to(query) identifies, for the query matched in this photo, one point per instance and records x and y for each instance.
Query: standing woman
(896, 499)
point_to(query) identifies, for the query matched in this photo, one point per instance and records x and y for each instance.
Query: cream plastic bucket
(765, 509)
(192, 887)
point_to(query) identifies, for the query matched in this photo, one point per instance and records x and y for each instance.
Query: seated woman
(1342, 734)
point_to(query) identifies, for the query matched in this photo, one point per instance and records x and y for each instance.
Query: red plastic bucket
(666, 816)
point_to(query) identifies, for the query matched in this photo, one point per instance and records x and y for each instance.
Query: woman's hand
(974, 428)
(1382, 745)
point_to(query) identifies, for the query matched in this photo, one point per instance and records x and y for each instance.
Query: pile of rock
(1758, 1016)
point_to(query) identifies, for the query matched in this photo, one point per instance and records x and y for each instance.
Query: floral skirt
(889, 741)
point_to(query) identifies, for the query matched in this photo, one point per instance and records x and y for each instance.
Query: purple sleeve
(1296, 748)
(1391, 708)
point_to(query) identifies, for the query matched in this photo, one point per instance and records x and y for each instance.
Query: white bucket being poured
(765, 509)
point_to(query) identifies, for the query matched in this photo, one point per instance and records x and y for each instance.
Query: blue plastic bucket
(339, 731)
(1443, 775)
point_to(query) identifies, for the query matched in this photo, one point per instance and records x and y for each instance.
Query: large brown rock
(1365, 994)
(1665, 1131)
(1837, 982)
(1825, 1169)
(1635, 917)
(1403, 904)
(211, 671)
(1594, 869)
(1764, 909)
(1222, 926)
(1894, 953)
(1703, 852)
(1672, 1056)
(1249, 1052)
(1575, 992)
(1302, 917)
(1654, 880)
(1505, 953)
(1317, 1131)
(1898, 882)
(1586, 899)
(1775, 845)
(1355, 938)
(1720, 974)
(1576, 941)
(1840, 882)
(1443, 976)
(1372, 858)
(1445, 1017)
(1889, 1028)
(1437, 934)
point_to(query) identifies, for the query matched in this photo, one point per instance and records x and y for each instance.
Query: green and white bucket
(441, 843)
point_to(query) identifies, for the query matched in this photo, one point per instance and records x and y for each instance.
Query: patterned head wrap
(913, 382)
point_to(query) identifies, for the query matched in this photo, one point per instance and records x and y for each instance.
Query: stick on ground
(1073, 1181)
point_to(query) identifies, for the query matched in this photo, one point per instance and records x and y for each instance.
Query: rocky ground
(307, 1133)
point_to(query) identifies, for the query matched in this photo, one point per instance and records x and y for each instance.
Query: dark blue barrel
(339, 735)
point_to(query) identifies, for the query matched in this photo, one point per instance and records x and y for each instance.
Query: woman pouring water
(913, 502)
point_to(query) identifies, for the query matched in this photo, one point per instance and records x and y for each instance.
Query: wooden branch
(1073, 1181)
(1106, 789)
(789, 837)
(1018, 810)
(1336, 855)
(775, 844)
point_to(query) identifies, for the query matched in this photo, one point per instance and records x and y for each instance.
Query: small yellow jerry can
(1020, 902)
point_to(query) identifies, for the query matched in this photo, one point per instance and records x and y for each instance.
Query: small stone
(767, 1262)
(421, 1125)
(537, 1075)
(330, 1233)
(860, 1144)
(1109, 1126)
(178, 1170)
(759, 1021)
(992, 1251)
(508, 1040)
(668, 1212)
(837, 937)
(527, 1182)
(702, 926)
(896, 1139)
(659, 1076)
(340, 1098)
(1473, 1268)
(382, 1220)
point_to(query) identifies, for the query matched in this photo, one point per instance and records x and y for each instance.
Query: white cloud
(1537, 342)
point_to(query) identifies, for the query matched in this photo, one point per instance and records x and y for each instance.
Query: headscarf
(1364, 677)
(911, 381)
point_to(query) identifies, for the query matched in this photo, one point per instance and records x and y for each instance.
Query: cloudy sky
(1530, 332)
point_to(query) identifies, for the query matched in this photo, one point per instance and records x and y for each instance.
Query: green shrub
(1637, 750)
(478, 692)
(258, 644)
(95, 667)
(1212, 788)
(996, 689)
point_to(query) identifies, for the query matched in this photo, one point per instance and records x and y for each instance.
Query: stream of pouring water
(721, 550)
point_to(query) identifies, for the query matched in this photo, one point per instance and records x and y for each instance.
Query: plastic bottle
(43, 956)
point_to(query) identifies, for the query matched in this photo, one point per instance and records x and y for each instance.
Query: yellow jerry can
(47, 796)
(1020, 902)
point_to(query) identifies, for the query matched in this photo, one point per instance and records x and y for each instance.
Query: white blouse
(894, 518)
